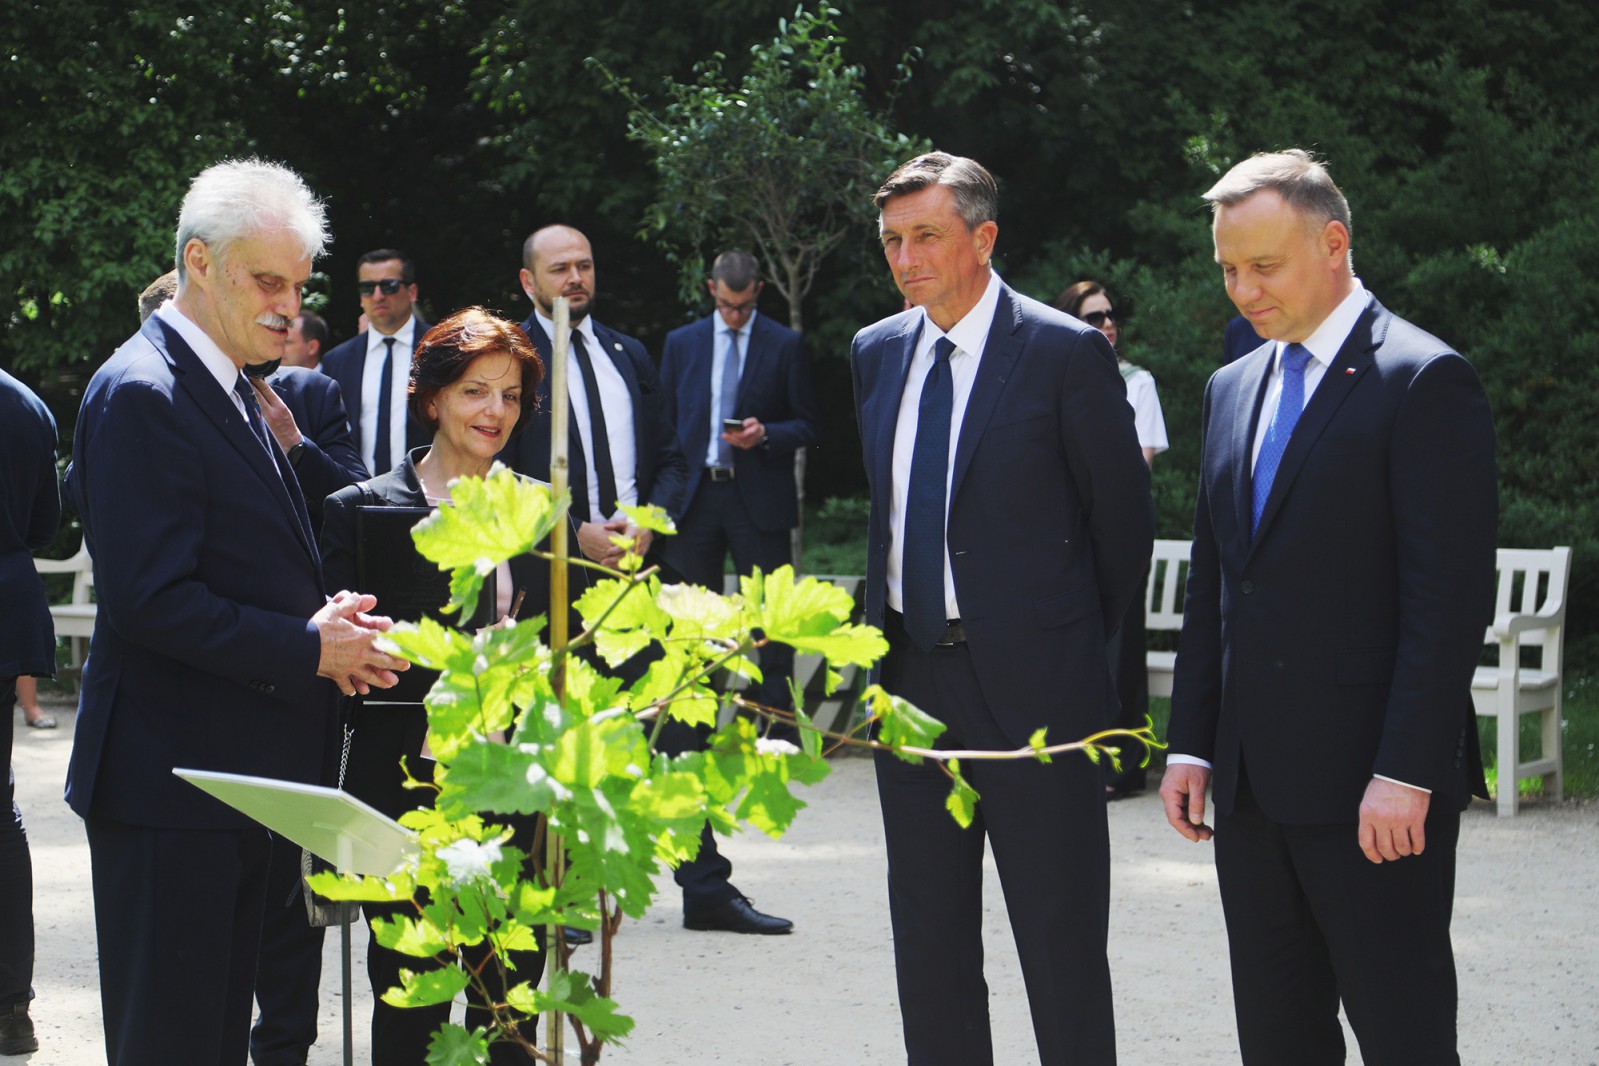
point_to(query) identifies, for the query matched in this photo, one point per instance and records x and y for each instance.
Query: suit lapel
(612, 349)
(1243, 421)
(695, 395)
(1350, 365)
(897, 352)
(274, 471)
(537, 440)
(993, 370)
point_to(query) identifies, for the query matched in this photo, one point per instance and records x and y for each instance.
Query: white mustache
(272, 321)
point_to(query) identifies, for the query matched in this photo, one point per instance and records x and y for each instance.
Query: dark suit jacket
(1339, 641)
(346, 364)
(30, 512)
(775, 387)
(384, 734)
(660, 468)
(1050, 521)
(330, 460)
(204, 654)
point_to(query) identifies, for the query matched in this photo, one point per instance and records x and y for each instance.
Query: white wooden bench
(1529, 614)
(1527, 633)
(1163, 606)
(75, 618)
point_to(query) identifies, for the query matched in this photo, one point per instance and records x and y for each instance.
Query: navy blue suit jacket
(204, 654)
(330, 460)
(1339, 640)
(775, 387)
(30, 512)
(659, 468)
(1050, 521)
(346, 364)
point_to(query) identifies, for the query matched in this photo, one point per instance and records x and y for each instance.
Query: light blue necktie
(1290, 404)
(922, 572)
(729, 398)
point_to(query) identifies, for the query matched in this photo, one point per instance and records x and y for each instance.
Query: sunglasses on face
(1097, 318)
(390, 286)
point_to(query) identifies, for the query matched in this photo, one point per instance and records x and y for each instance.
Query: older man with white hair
(214, 634)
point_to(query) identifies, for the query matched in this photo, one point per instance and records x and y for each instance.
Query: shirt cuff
(1396, 781)
(1186, 760)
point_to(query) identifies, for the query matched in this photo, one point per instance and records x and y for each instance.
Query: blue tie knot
(1295, 358)
(943, 349)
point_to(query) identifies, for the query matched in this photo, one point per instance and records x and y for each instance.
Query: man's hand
(278, 417)
(348, 655)
(750, 436)
(1182, 790)
(1392, 820)
(594, 541)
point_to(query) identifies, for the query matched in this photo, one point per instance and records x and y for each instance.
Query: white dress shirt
(225, 370)
(970, 336)
(722, 337)
(618, 404)
(372, 380)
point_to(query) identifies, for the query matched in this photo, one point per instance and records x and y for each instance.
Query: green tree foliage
(785, 159)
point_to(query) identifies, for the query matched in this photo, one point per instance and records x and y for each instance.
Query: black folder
(408, 587)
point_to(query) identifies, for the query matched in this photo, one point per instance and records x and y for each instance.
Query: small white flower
(772, 746)
(468, 860)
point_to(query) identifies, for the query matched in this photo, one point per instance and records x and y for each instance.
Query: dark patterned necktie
(922, 572)
(382, 461)
(600, 440)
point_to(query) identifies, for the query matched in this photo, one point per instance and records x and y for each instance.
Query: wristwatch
(295, 452)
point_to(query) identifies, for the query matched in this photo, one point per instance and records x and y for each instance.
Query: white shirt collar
(1329, 338)
(747, 330)
(224, 369)
(970, 334)
(585, 327)
(403, 337)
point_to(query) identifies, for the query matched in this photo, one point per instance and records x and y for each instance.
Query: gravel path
(1526, 938)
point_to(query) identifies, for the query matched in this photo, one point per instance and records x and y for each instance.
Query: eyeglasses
(390, 286)
(735, 309)
(1097, 318)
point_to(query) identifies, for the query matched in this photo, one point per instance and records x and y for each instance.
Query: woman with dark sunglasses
(1089, 301)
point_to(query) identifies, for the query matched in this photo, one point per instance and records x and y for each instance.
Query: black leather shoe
(576, 938)
(736, 916)
(16, 1031)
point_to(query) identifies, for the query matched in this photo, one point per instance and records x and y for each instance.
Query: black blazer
(346, 364)
(659, 469)
(1339, 641)
(774, 387)
(204, 653)
(1050, 520)
(329, 460)
(30, 513)
(386, 732)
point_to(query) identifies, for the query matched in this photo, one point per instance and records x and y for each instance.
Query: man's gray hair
(1302, 182)
(736, 269)
(976, 193)
(240, 198)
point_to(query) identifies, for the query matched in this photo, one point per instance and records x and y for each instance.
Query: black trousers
(1311, 921)
(289, 969)
(1046, 826)
(16, 874)
(177, 917)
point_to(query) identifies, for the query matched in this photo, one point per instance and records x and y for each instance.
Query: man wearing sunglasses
(373, 367)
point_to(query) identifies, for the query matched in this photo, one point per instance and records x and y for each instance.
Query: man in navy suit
(373, 368)
(213, 632)
(738, 364)
(1010, 528)
(1343, 571)
(623, 450)
(306, 341)
(30, 512)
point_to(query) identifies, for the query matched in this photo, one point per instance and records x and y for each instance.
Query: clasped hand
(350, 656)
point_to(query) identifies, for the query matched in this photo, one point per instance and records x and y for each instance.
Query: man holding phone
(738, 393)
